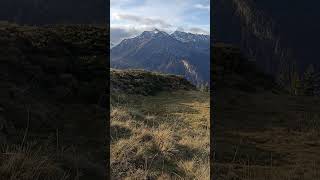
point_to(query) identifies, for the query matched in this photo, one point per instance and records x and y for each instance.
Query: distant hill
(179, 53)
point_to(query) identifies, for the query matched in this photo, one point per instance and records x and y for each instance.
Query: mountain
(178, 53)
(112, 45)
(198, 41)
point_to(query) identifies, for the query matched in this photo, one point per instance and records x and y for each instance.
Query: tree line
(306, 83)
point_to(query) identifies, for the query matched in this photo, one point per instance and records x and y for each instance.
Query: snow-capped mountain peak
(189, 37)
(178, 53)
(155, 31)
(152, 34)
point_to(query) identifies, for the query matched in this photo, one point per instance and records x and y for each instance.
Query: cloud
(197, 30)
(201, 6)
(180, 29)
(173, 12)
(120, 33)
(131, 17)
(126, 3)
(194, 30)
(119, 2)
(142, 20)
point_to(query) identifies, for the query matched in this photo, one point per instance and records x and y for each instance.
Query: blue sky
(131, 17)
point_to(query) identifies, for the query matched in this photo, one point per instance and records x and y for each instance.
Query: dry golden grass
(30, 163)
(41, 160)
(165, 136)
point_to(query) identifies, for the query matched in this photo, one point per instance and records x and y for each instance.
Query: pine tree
(311, 81)
(288, 76)
(204, 87)
(295, 82)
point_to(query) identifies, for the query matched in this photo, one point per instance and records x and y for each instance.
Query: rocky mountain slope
(180, 53)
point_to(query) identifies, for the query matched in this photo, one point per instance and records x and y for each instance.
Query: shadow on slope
(52, 87)
(261, 131)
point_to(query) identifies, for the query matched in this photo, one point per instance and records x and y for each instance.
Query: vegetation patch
(145, 82)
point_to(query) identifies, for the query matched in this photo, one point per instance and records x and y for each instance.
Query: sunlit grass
(165, 136)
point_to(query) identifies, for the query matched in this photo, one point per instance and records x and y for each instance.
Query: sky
(131, 17)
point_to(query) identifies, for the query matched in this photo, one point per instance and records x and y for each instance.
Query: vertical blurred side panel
(266, 87)
(53, 86)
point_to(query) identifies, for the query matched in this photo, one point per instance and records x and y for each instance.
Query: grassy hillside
(51, 115)
(262, 132)
(142, 82)
(159, 135)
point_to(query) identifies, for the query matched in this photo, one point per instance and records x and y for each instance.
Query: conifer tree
(295, 80)
(311, 81)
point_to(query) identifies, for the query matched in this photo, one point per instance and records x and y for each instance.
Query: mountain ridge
(172, 53)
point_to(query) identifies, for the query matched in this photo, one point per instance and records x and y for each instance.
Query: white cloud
(197, 30)
(201, 6)
(118, 2)
(142, 20)
(120, 33)
(131, 17)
